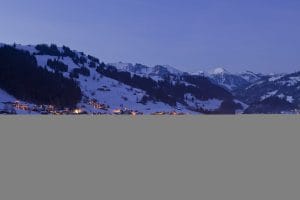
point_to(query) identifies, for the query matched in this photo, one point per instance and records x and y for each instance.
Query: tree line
(21, 77)
(168, 90)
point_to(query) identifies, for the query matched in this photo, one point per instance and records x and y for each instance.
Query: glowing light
(173, 113)
(77, 111)
(117, 111)
(159, 113)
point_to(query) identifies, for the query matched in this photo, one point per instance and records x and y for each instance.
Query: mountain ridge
(106, 89)
(138, 88)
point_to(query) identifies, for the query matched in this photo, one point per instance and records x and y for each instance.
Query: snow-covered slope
(5, 104)
(133, 68)
(218, 71)
(283, 86)
(228, 80)
(251, 77)
(219, 76)
(117, 95)
(109, 92)
(104, 95)
(5, 97)
(157, 72)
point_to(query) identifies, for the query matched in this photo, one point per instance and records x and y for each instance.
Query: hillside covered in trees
(21, 77)
(65, 78)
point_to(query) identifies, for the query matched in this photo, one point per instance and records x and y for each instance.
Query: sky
(191, 35)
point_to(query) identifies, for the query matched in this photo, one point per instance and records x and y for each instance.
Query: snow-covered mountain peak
(165, 69)
(140, 69)
(218, 71)
(148, 90)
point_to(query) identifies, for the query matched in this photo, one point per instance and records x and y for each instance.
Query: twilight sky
(191, 35)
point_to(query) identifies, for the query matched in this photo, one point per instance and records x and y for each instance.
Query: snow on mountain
(105, 95)
(111, 92)
(118, 95)
(219, 76)
(122, 66)
(138, 69)
(112, 95)
(291, 81)
(157, 72)
(226, 79)
(269, 94)
(200, 73)
(244, 106)
(30, 48)
(169, 68)
(4, 96)
(218, 71)
(272, 105)
(5, 105)
(251, 77)
(210, 104)
(283, 86)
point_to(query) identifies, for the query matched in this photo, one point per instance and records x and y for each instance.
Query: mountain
(283, 86)
(21, 77)
(260, 91)
(230, 81)
(227, 80)
(50, 79)
(251, 77)
(158, 72)
(271, 105)
(133, 68)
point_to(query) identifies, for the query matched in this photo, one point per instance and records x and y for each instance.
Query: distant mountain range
(74, 82)
(231, 81)
(219, 76)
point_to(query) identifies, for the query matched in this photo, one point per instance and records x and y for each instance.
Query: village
(17, 107)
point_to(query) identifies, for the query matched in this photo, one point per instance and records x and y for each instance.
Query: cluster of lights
(77, 111)
(97, 105)
(126, 112)
(167, 113)
(20, 106)
(117, 111)
(50, 109)
(159, 113)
